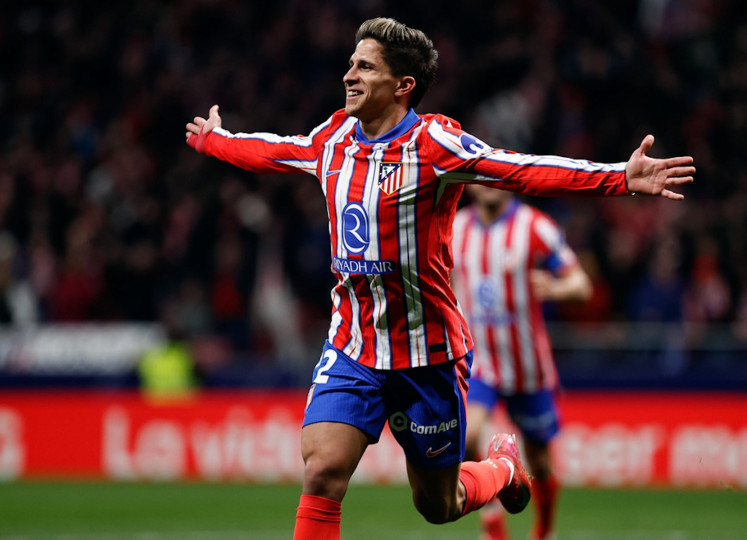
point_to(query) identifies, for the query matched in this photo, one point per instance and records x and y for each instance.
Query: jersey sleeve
(267, 152)
(458, 156)
(557, 255)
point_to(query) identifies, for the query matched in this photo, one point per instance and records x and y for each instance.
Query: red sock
(545, 497)
(482, 481)
(317, 518)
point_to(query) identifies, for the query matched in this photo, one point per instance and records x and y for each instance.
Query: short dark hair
(407, 51)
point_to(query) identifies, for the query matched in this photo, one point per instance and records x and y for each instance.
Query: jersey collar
(405, 125)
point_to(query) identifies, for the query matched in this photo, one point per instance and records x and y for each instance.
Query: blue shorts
(536, 414)
(425, 406)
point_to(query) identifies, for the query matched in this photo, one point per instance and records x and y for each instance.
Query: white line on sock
(510, 466)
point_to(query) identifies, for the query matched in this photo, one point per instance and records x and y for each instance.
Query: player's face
(369, 83)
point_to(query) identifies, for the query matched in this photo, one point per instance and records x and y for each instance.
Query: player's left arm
(460, 157)
(653, 176)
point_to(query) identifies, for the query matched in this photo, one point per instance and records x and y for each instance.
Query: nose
(350, 76)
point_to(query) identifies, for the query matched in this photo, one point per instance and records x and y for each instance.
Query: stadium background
(116, 238)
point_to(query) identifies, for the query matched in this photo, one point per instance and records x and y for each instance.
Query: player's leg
(437, 494)
(331, 452)
(344, 414)
(427, 416)
(538, 418)
(443, 495)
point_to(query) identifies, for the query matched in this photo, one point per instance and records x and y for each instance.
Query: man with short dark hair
(398, 348)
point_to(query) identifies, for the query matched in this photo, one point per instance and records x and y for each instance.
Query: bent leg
(443, 495)
(438, 494)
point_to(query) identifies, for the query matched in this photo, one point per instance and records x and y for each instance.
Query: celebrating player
(398, 348)
(508, 258)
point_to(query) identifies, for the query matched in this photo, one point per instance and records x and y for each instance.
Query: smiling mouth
(354, 93)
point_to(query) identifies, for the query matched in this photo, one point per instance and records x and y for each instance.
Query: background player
(398, 349)
(508, 258)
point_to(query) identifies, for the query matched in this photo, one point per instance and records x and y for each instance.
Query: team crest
(390, 176)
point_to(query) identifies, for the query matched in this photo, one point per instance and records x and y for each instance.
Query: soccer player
(508, 259)
(398, 348)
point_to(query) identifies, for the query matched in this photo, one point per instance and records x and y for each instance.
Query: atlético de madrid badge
(390, 176)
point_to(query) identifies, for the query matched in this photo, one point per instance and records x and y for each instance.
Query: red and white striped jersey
(491, 280)
(391, 203)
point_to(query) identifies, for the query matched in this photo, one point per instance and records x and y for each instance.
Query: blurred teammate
(398, 348)
(509, 258)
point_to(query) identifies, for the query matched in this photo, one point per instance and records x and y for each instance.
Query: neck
(373, 129)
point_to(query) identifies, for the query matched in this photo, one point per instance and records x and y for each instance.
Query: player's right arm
(256, 152)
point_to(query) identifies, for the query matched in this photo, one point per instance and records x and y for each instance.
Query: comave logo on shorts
(399, 422)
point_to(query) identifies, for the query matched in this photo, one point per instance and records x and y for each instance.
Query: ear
(405, 86)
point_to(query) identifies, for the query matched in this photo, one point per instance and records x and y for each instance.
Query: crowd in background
(107, 215)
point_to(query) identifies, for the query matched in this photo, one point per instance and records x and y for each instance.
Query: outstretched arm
(198, 129)
(653, 176)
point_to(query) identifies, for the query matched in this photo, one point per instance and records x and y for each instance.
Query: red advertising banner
(608, 439)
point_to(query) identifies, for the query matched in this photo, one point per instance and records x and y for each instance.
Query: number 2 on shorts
(330, 357)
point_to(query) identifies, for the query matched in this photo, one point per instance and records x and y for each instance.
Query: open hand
(653, 176)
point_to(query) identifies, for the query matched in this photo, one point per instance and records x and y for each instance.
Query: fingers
(679, 175)
(214, 111)
(196, 126)
(646, 144)
(672, 195)
(679, 181)
(679, 162)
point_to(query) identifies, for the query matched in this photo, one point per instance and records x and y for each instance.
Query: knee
(436, 511)
(325, 479)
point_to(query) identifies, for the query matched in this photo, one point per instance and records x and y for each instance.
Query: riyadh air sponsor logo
(400, 422)
(359, 266)
(390, 177)
(472, 144)
(355, 228)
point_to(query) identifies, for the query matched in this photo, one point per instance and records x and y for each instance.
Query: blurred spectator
(112, 217)
(18, 305)
(656, 296)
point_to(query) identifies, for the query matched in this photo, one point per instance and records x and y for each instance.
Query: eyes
(363, 66)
